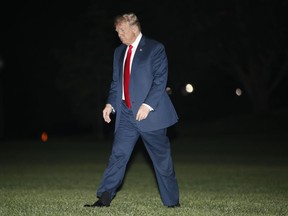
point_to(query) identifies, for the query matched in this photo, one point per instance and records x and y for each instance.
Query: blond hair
(130, 18)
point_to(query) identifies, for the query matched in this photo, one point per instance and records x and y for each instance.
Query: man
(143, 108)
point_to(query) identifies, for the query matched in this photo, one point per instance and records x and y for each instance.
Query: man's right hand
(106, 113)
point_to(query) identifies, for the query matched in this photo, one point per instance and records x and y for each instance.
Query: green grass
(60, 176)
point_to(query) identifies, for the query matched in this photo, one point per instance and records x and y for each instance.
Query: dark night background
(56, 63)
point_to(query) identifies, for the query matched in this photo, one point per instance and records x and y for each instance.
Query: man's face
(126, 33)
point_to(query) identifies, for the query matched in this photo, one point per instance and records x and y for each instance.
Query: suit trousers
(158, 147)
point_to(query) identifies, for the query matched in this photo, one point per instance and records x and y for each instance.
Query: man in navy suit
(145, 112)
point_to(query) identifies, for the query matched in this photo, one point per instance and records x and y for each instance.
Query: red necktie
(127, 77)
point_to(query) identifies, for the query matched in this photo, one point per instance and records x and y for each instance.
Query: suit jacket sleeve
(114, 86)
(160, 74)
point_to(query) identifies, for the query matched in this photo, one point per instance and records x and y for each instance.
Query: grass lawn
(60, 176)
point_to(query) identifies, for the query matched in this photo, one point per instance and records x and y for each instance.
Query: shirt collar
(137, 41)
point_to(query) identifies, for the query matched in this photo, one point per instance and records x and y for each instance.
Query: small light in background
(189, 88)
(238, 92)
(44, 136)
(169, 90)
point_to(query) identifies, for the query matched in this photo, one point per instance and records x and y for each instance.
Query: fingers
(142, 113)
(107, 118)
(140, 116)
(106, 113)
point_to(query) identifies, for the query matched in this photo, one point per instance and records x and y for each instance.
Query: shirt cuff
(150, 108)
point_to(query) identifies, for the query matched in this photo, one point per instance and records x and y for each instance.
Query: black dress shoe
(104, 201)
(174, 206)
(98, 203)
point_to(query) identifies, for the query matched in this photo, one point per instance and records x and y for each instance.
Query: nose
(119, 34)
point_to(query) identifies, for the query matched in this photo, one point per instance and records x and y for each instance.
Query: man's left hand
(142, 113)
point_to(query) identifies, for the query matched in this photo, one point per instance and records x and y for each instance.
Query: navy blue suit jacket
(149, 73)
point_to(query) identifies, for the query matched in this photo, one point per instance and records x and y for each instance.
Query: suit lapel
(137, 56)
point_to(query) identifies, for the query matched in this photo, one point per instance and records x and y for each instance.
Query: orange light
(44, 136)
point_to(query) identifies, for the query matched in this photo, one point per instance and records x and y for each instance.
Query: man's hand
(106, 113)
(142, 113)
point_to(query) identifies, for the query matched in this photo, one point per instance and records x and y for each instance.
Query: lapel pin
(140, 50)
